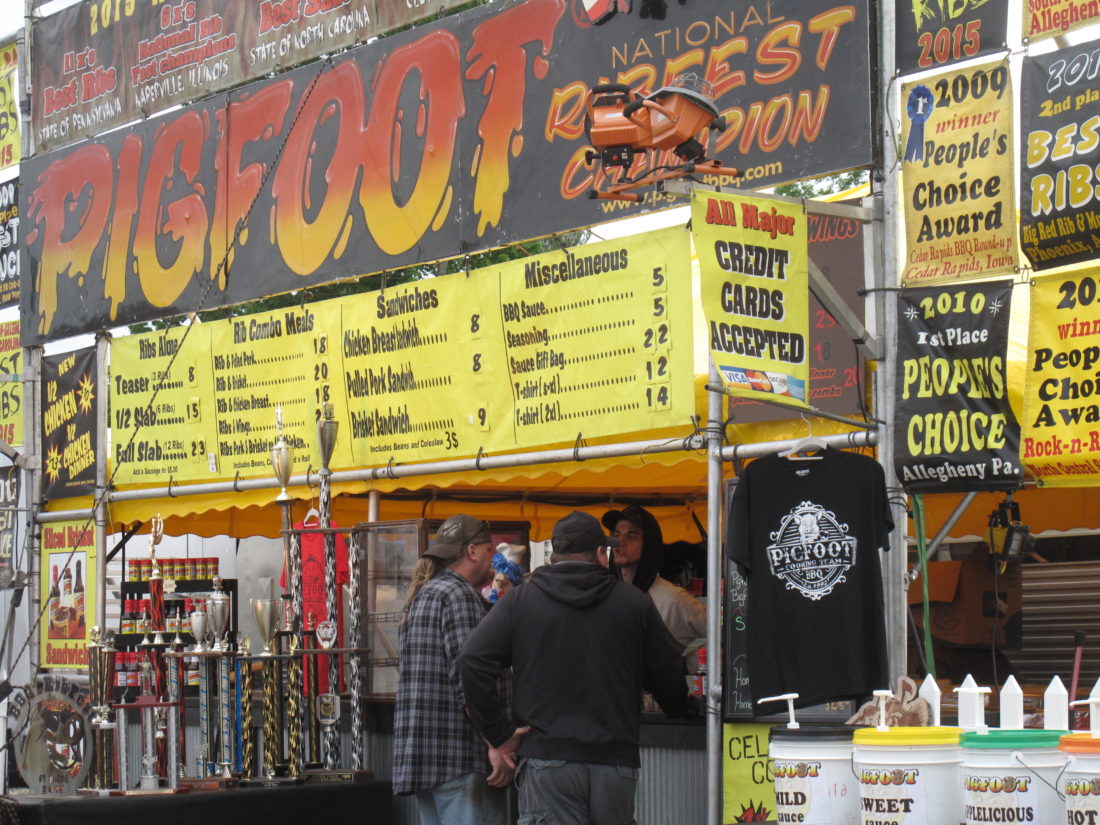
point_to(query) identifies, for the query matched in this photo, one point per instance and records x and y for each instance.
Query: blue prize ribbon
(918, 109)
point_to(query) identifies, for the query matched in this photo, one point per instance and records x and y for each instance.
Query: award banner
(836, 372)
(1060, 443)
(1059, 200)
(498, 152)
(11, 483)
(937, 34)
(1050, 18)
(958, 184)
(69, 423)
(11, 391)
(67, 591)
(10, 149)
(595, 340)
(9, 243)
(753, 267)
(954, 430)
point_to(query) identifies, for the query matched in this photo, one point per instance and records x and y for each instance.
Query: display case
(388, 553)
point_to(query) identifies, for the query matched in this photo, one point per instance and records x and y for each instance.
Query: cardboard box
(963, 604)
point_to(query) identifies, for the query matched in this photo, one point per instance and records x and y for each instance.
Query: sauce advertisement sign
(68, 592)
(753, 268)
(9, 243)
(958, 185)
(1061, 427)
(936, 34)
(594, 339)
(955, 430)
(1059, 200)
(69, 441)
(463, 134)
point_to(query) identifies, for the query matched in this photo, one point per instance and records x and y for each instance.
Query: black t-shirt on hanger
(806, 535)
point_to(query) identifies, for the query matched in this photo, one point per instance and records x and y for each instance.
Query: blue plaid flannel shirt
(433, 740)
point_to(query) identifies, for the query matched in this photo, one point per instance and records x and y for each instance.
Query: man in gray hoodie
(582, 646)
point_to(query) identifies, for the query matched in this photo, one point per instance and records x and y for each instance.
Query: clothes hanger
(313, 515)
(807, 448)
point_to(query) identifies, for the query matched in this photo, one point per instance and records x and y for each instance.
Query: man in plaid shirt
(457, 778)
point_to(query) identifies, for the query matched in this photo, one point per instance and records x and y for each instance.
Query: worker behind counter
(638, 561)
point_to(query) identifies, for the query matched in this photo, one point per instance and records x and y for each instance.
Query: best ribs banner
(954, 429)
(462, 134)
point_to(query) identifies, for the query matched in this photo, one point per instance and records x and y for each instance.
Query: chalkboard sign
(736, 696)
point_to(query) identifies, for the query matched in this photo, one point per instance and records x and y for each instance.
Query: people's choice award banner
(68, 423)
(954, 429)
(1060, 148)
(1061, 428)
(936, 34)
(957, 179)
(1050, 18)
(67, 592)
(753, 265)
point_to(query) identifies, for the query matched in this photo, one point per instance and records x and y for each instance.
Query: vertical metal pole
(32, 432)
(102, 344)
(714, 600)
(882, 322)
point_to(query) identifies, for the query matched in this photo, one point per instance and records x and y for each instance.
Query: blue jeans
(464, 800)
(556, 792)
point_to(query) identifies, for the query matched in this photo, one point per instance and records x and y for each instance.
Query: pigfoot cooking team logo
(811, 551)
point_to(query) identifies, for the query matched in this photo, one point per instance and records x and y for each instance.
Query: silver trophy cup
(265, 612)
(198, 627)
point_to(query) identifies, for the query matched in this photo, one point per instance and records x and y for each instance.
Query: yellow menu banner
(67, 592)
(1060, 431)
(160, 391)
(594, 340)
(958, 184)
(754, 277)
(11, 392)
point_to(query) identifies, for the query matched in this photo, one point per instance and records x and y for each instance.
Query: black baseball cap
(455, 533)
(580, 533)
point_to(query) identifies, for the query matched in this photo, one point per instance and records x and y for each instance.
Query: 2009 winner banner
(1061, 427)
(954, 429)
(958, 183)
(753, 264)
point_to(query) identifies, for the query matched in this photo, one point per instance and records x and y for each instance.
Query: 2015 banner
(11, 391)
(464, 134)
(958, 185)
(1059, 204)
(69, 439)
(928, 35)
(1061, 427)
(954, 429)
(754, 279)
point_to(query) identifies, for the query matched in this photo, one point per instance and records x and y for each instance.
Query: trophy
(198, 627)
(266, 616)
(328, 714)
(217, 606)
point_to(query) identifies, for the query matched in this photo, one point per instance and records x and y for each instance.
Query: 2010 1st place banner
(753, 265)
(1061, 429)
(958, 184)
(954, 429)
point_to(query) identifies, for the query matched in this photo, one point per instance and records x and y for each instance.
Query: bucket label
(892, 796)
(1082, 799)
(802, 791)
(1000, 797)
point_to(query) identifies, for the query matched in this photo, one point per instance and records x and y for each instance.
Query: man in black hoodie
(582, 645)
